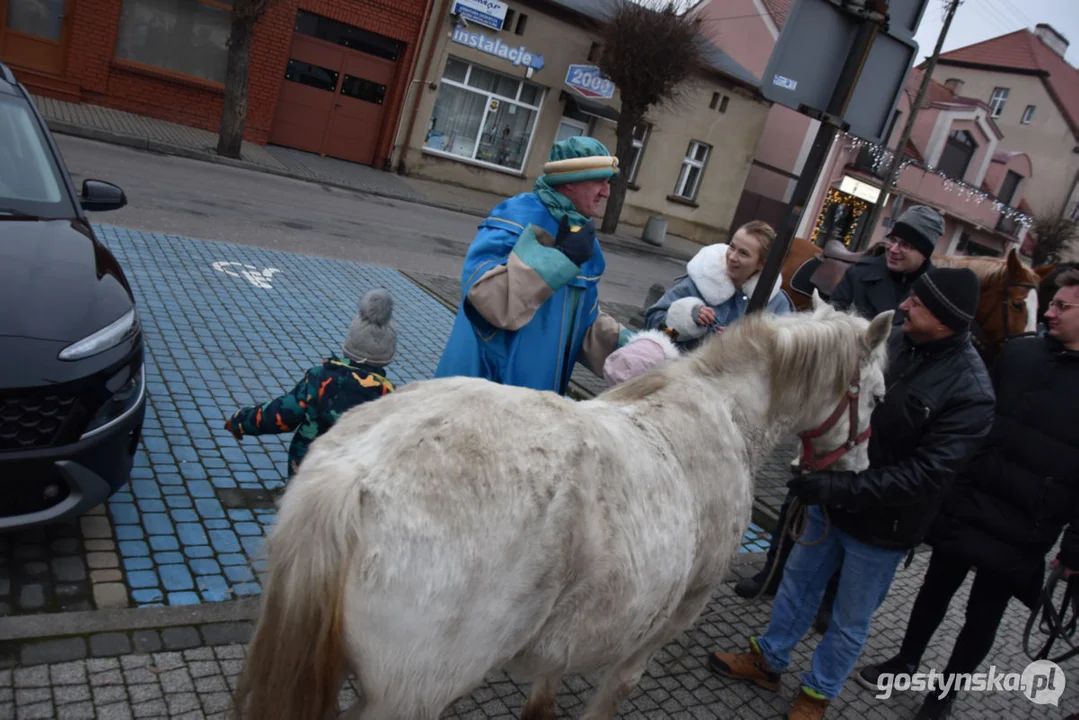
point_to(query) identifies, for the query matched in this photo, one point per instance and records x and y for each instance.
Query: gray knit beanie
(921, 226)
(372, 339)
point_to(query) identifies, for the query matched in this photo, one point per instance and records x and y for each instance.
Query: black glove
(576, 245)
(814, 488)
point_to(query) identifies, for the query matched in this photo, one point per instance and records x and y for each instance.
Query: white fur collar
(660, 338)
(708, 271)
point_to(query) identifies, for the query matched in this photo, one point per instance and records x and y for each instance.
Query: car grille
(32, 421)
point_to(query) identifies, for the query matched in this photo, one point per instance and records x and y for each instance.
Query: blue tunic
(542, 353)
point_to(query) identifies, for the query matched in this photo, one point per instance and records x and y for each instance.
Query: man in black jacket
(1008, 508)
(937, 410)
(878, 284)
(871, 286)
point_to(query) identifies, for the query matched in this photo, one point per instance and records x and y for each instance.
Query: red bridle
(811, 462)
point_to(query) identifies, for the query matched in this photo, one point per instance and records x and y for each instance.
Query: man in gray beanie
(878, 284)
(329, 390)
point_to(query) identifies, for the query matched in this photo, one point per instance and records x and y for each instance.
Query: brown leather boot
(807, 707)
(749, 666)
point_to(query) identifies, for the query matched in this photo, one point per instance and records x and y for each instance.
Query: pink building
(954, 161)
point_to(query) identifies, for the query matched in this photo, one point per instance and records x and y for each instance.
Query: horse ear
(878, 331)
(1015, 265)
(1043, 270)
(817, 301)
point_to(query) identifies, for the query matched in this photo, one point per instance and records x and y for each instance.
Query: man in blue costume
(530, 306)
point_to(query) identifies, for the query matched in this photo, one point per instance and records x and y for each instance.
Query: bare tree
(245, 13)
(1053, 233)
(649, 51)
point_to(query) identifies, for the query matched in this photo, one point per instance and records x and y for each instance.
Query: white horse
(459, 526)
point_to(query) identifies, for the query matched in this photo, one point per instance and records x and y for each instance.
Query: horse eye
(878, 399)
(1018, 305)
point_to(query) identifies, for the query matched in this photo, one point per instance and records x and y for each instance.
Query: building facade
(327, 76)
(490, 100)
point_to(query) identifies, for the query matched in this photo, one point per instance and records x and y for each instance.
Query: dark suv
(72, 383)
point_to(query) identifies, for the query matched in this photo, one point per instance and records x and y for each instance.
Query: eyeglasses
(1060, 306)
(901, 244)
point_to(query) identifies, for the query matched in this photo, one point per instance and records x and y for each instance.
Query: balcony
(864, 162)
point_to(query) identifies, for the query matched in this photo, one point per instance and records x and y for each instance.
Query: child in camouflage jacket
(327, 391)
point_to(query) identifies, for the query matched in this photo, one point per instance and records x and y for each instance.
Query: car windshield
(30, 181)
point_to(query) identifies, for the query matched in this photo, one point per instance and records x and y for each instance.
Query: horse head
(1008, 305)
(838, 440)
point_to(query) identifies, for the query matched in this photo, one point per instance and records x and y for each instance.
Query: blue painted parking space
(227, 326)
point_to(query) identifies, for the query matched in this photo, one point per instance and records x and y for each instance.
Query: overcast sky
(978, 20)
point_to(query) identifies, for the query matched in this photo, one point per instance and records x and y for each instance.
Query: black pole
(844, 88)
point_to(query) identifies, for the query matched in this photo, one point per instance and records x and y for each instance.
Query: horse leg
(540, 704)
(616, 686)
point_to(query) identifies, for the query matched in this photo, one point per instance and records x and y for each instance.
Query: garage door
(332, 99)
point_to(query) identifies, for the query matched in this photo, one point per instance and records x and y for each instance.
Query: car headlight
(124, 399)
(109, 336)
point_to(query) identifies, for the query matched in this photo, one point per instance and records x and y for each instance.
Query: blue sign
(588, 81)
(493, 46)
(491, 13)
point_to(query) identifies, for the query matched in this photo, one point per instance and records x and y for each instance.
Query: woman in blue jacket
(715, 292)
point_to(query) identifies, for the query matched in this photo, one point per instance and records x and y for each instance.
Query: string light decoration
(833, 197)
(882, 159)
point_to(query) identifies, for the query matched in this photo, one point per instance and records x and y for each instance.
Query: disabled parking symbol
(258, 278)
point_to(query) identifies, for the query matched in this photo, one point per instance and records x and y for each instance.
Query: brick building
(327, 76)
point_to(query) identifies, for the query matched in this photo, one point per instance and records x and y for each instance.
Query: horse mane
(988, 269)
(819, 350)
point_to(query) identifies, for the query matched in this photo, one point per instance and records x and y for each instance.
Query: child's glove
(236, 432)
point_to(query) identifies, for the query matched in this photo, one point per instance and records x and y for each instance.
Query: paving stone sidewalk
(189, 671)
(144, 133)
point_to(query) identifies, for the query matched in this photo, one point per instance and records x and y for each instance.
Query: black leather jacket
(871, 288)
(937, 410)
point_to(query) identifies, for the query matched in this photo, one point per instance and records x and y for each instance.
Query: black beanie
(951, 294)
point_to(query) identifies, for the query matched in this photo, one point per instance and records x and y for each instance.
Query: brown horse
(1009, 290)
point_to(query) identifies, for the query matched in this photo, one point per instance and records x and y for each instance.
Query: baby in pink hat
(644, 351)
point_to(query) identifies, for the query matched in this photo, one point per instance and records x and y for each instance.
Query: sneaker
(869, 676)
(749, 666)
(933, 708)
(808, 705)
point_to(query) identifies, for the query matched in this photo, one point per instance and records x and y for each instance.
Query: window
(689, 179)
(723, 103)
(715, 101)
(957, 154)
(1028, 115)
(361, 89)
(522, 21)
(483, 115)
(997, 101)
(507, 23)
(314, 76)
(184, 36)
(30, 182)
(349, 36)
(640, 137)
(568, 127)
(1008, 187)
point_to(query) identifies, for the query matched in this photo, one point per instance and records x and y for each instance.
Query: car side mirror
(100, 196)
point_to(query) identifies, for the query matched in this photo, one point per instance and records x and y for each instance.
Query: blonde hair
(765, 234)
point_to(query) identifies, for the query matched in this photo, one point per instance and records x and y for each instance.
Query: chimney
(955, 85)
(1053, 39)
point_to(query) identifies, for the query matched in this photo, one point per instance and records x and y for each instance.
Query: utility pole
(873, 14)
(865, 234)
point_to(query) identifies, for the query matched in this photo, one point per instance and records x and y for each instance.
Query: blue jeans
(866, 574)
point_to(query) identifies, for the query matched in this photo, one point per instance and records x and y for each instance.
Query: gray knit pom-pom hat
(372, 339)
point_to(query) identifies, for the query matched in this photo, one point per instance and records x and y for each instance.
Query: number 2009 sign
(587, 80)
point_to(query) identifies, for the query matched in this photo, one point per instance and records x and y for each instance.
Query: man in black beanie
(936, 413)
(871, 286)
(878, 284)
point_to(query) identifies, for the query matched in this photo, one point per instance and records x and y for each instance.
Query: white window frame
(638, 145)
(487, 110)
(998, 100)
(1028, 115)
(690, 161)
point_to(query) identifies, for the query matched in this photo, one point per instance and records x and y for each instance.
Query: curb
(164, 148)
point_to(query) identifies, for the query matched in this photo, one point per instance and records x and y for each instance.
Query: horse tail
(296, 659)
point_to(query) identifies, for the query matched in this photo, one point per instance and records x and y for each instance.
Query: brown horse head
(1008, 304)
